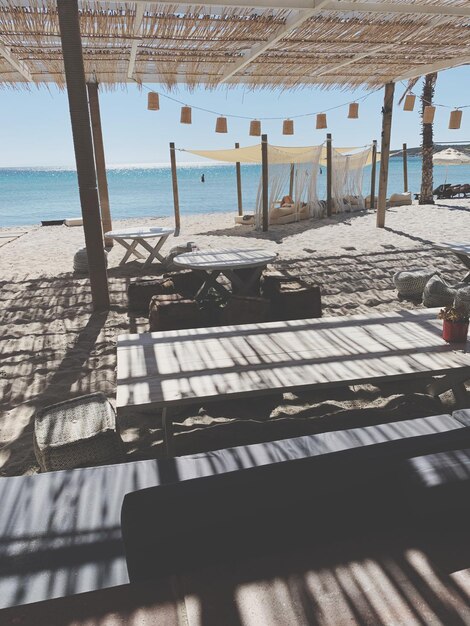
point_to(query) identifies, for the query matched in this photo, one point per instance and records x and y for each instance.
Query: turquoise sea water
(29, 195)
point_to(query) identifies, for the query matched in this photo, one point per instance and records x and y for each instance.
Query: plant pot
(454, 332)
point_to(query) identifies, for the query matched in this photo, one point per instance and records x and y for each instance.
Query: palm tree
(427, 146)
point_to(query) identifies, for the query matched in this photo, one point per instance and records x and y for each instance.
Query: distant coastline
(416, 152)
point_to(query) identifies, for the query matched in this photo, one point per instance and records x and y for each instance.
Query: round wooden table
(130, 238)
(242, 267)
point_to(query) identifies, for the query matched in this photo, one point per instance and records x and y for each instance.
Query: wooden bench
(60, 532)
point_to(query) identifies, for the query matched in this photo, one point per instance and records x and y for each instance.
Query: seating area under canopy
(259, 43)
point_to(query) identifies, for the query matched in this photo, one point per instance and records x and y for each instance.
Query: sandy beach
(54, 347)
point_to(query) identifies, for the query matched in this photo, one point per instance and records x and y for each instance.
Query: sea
(29, 195)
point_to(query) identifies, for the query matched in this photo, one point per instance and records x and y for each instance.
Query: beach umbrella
(450, 156)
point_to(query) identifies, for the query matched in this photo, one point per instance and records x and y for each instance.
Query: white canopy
(276, 154)
(450, 156)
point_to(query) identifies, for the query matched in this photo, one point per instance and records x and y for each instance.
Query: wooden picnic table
(242, 267)
(130, 238)
(461, 251)
(167, 369)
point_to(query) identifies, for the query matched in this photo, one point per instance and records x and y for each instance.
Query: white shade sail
(276, 154)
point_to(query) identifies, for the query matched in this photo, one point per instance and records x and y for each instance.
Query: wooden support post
(405, 168)
(174, 180)
(329, 174)
(239, 185)
(100, 161)
(291, 180)
(69, 25)
(264, 175)
(373, 174)
(385, 152)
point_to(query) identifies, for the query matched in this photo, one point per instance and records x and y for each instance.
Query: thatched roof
(288, 43)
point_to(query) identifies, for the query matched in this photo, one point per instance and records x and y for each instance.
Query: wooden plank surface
(180, 367)
(230, 258)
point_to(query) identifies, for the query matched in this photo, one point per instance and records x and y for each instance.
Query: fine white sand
(53, 347)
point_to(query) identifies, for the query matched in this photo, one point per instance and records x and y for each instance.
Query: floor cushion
(438, 293)
(411, 283)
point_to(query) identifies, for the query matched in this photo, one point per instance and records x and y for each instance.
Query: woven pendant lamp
(409, 103)
(255, 128)
(455, 119)
(221, 125)
(185, 115)
(288, 127)
(321, 120)
(153, 101)
(353, 112)
(428, 114)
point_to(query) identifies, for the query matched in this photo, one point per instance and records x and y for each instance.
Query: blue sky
(36, 124)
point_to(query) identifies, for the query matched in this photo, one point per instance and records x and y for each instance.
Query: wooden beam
(139, 14)
(353, 59)
(329, 175)
(373, 174)
(69, 23)
(384, 47)
(174, 180)
(385, 152)
(291, 180)
(398, 8)
(405, 168)
(430, 68)
(333, 5)
(265, 181)
(239, 184)
(292, 22)
(18, 65)
(100, 161)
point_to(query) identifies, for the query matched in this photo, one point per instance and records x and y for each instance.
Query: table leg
(245, 282)
(154, 250)
(167, 423)
(131, 249)
(211, 282)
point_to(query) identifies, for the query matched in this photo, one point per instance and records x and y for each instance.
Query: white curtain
(278, 187)
(346, 180)
(304, 191)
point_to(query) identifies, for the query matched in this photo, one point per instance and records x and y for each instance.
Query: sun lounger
(449, 191)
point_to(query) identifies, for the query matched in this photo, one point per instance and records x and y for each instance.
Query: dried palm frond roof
(275, 43)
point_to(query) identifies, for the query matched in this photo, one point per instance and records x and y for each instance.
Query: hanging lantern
(353, 113)
(455, 119)
(185, 115)
(409, 103)
(321, 120)
(153, 101)
(255, 128)
(221, 125)
(428, 114)
(288, 127)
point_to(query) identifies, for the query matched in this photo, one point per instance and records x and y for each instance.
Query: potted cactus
(454, 324)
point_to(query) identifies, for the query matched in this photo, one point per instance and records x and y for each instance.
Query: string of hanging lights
(221, 125)
(455, 118)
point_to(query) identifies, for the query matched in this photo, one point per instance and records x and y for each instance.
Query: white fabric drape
(304, 191)
(347, 177)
